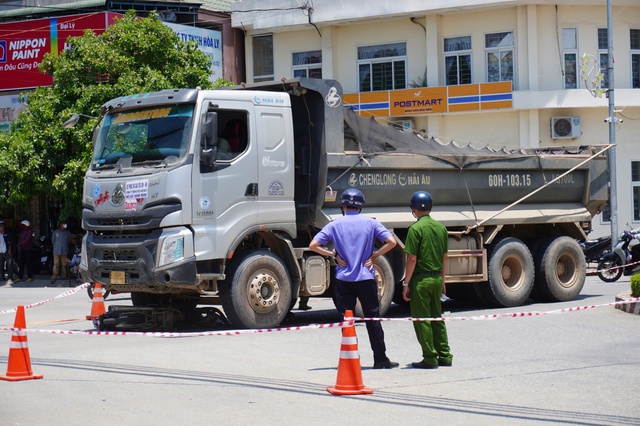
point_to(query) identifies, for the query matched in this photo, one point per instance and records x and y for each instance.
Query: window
(635, 59)
(635, 188)
(605, 215)
(457, 60)
(307, 64)
(382, 67)
(499, 48)
(263, 58)
(570, 57)
(603, 56)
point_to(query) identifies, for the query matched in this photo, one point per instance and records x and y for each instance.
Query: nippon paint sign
(209, 42)
(23, 45)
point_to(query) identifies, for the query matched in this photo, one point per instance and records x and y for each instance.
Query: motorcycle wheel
(606, 271)
(105, 293)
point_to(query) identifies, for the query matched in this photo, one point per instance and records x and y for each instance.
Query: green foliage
(132, 56)
(635, 285)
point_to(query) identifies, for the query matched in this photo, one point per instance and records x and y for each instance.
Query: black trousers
(367, 293)
(3, 259)
(25, 261)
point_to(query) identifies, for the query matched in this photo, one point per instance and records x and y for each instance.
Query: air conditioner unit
(565, 127)
(404, 124)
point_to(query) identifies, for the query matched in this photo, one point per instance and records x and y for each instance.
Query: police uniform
(427, 240)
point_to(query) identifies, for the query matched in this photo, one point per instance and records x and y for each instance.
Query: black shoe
(442, 363)
(384, 363)
(421, 364)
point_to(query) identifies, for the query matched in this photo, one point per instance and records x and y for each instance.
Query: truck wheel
(257, 292)
(386, 287)
(561, 269)
(511, 273)
(607, 273)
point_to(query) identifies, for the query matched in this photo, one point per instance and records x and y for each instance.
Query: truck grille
(122, 221)
(119, 255)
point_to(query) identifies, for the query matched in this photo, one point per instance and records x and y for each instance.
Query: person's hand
(444, 288)
(369, 263)
(405, 293)
(340, 261)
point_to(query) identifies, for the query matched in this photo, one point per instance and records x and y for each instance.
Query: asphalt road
(579, 367)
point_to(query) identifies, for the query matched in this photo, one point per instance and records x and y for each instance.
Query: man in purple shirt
(354, 237)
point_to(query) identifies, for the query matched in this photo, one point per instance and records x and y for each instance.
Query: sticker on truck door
(276, 188)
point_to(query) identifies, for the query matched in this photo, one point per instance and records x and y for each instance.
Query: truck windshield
(150, 136)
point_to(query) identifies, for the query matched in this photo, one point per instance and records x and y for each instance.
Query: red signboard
(24, 44)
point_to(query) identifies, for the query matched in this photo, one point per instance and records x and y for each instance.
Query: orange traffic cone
(97, 308)
(19, 367)
(349, 381)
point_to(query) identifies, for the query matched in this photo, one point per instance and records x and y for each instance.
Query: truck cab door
(274, 140)
(224, 197)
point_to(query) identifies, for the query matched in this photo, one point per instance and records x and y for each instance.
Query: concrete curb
(631, 308)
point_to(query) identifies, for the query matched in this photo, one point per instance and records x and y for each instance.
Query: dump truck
(213, 196)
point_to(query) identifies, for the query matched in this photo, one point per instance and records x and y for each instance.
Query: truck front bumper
(127, 263)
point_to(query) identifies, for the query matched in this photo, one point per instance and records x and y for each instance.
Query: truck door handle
(252, 190)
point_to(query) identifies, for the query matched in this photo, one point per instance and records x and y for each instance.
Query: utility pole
(613, 187)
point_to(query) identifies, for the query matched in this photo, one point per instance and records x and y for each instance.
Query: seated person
(224, 150)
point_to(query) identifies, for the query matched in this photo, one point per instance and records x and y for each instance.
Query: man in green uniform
(426, 249)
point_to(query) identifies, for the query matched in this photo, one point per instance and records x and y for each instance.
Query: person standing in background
(60, 240)
(5, 255)
(25, 255)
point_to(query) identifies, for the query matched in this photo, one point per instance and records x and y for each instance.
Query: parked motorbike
(43, 255)
(623, 260)
(595, 249)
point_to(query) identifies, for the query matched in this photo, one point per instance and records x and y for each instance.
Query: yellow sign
(429, 100)
(117, 277)
(421, 100)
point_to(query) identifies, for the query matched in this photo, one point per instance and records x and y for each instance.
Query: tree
(132, 56)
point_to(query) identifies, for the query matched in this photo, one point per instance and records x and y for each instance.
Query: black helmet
(421, 200)
(352, 197)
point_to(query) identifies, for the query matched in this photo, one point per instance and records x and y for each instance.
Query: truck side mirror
(209, 138)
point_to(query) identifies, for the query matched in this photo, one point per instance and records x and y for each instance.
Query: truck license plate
(117, 277)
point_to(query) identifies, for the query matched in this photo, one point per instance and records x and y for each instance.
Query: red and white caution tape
(346, 322)
(613, 268)
(60, 296)
(192, 334)
(509, 314)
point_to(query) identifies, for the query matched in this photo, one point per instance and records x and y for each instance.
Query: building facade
(511, 73)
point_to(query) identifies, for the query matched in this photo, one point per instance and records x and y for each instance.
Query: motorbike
(595, 249)
(622, 260)
(43, 255)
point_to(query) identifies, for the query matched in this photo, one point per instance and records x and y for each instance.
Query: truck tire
(257, 292)
(561, 270)
(511, 274)
(386, 287)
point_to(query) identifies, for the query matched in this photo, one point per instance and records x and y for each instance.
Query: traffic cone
(349, 381)
(97, 307)
(19, 366)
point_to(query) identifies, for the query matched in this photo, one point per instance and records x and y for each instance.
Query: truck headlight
(172, 249)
